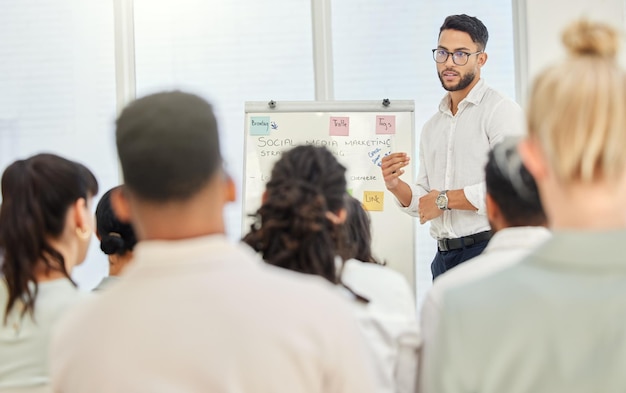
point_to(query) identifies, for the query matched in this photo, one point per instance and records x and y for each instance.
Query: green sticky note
(260, 125)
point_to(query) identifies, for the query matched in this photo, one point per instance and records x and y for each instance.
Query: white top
(506, 247)
(553, 322)
(389, 323)
(204, 315)
(23, 341)
(453, 153)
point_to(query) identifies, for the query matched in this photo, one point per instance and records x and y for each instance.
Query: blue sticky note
(260, 125)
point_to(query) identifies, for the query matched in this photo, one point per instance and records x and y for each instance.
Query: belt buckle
(443, 245)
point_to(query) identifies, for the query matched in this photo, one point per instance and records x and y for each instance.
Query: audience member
(45, 229)
(195, 313)
(357, 241)
(117, 239)
(389, 319)
(302, 226)
(517, 219)
(554, 322)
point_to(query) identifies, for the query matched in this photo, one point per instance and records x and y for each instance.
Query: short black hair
(512, 187)
(470, 25)
(168, 146)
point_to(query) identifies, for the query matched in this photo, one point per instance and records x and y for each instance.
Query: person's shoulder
(493, 96)
(267, 281)
(277, 279)
(74, 324)
(468, 271)
(505, 250)
(378, 283)
(353, 267)
(476, 284)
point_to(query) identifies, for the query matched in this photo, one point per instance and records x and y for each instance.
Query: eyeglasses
(459, 57)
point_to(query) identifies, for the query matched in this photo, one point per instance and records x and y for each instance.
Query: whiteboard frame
(329, 106)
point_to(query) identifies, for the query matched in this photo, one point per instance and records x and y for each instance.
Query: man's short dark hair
(470, 25)
(512, 187)
(168, 145)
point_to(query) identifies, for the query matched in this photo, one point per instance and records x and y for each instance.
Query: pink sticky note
(386, 124)
(339, 126)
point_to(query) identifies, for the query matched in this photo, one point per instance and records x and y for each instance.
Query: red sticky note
(339, 126)
(386, 124)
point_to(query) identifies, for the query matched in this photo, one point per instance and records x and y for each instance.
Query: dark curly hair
(293, 230)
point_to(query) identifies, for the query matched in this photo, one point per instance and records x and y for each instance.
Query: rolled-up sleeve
(476, 194)
(416, 193)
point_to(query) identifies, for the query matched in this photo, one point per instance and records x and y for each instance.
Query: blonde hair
(577, 108)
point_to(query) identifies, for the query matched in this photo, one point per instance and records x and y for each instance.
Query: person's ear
(81, 214)
(120, 205)
(533, 158)
(264, 197)
(231, 190)
(482, 59)
(493, 210)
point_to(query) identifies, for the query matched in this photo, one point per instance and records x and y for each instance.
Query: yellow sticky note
(373, 200)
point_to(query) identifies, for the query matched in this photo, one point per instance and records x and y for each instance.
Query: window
(229, 52)
(57, 84)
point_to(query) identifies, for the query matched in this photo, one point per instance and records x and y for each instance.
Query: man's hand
(392, 168)
(427, 207)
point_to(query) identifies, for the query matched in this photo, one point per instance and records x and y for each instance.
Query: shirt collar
(475, 96)
(213, 248)
(527, 237)
(583, 250)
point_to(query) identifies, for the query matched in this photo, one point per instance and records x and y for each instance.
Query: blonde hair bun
(584, 38)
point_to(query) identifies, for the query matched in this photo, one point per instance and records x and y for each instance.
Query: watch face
(440, 201)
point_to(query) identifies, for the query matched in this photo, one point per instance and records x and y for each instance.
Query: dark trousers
(446, 260)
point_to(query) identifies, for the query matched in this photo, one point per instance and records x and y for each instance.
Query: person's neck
(50, 275)
(583, 207)
(173, 224)
(43, 273)
(117, 263)
(457, 96)
(201, 215)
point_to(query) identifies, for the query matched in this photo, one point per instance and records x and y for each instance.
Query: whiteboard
(359, 134)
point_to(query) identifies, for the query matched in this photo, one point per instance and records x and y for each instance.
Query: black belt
(465, 241)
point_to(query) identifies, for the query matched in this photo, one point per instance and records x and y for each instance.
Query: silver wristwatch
(442, 200)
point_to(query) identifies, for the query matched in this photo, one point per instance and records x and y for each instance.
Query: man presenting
(472, 118)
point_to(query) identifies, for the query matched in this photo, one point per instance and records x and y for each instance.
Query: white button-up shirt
(453, 153)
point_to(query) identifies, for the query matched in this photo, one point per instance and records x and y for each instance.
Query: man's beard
(465, 81)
